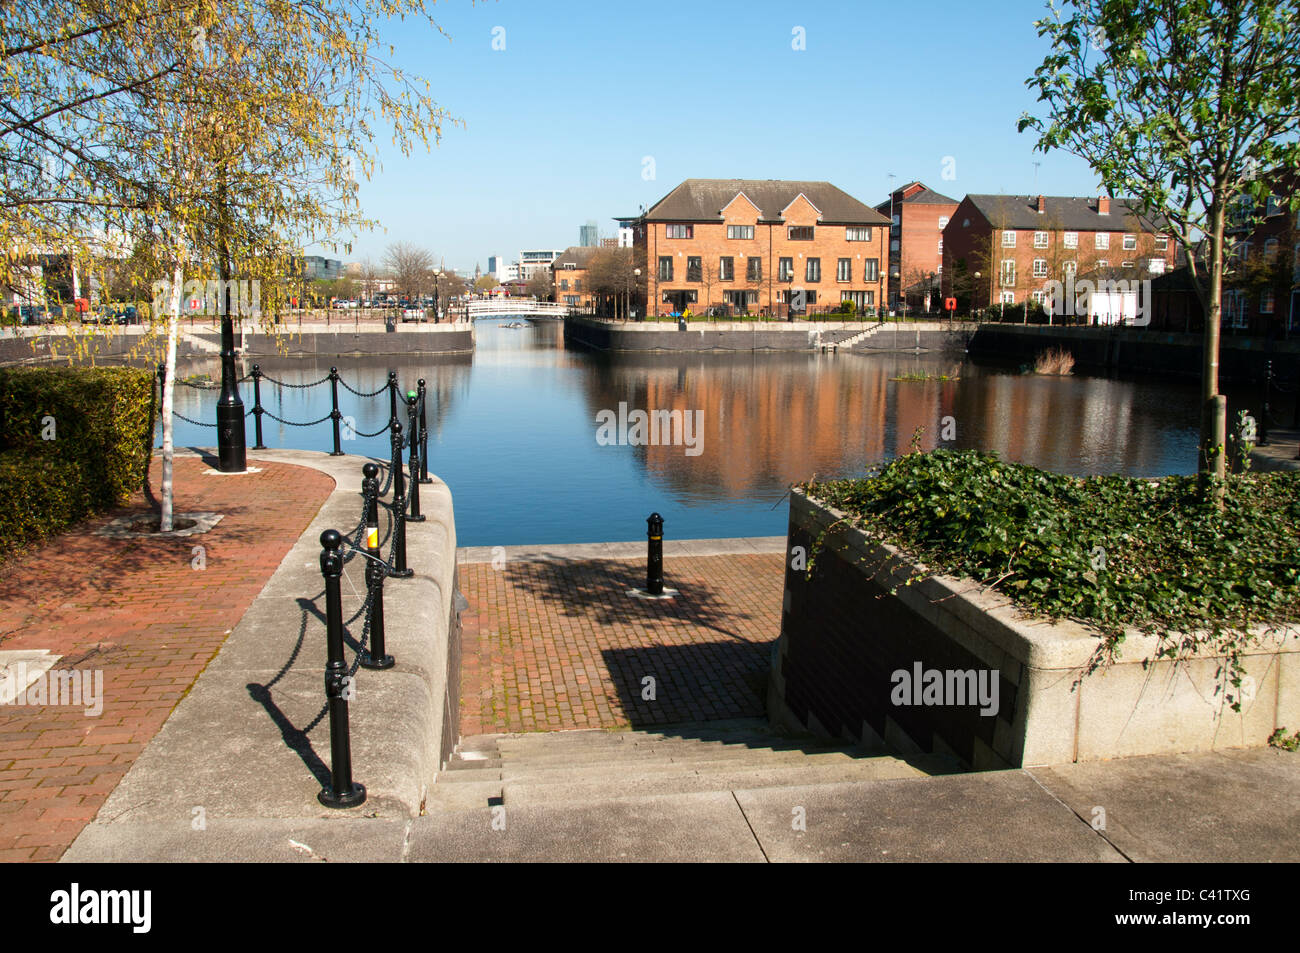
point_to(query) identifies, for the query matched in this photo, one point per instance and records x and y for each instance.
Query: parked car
(413, 314)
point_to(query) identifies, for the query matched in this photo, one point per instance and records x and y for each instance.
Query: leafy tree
(1182, 104)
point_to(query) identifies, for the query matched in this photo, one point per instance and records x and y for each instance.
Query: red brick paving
(551, 646)
(138, 611)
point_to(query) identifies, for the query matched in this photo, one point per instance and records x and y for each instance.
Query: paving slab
(691, 828)
(995, 816)
(1240, 805)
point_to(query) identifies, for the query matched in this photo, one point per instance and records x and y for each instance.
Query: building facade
(535, 260)
(918, 215)
(759, 246)
(1021, 249)
(569, 271)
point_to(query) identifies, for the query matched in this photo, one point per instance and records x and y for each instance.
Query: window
(1234, 308)
(785, 270)
(813, 270)
(1102, 263)
(564, 284)
(665, 267)
(755, 269)
(1040, 267)
(1162, 243)
(577, 284)
(1271, 208)
(1156, 266)
(1270, 251)
(1071, 239)
(1008, 272)
(1266, 301)
(743, 232)
(740, 299)
(1126, 264)
(941, 246)
(1069, 268)
(857, 233)
(799, 233)
(1039, 297)
(943, 222)
(1008, 297)
(809, 297)
(893, 244)
(871, 269)
(726, 268)
(1103, 240)
(861, 299)
(844, 269)
(679, 231)
(694, 268)
(1040, 239)
(1130, 242)
(1008, 239)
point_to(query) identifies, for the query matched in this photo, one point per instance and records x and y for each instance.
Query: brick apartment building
(744, 245)
(918, 216)
(569, 271)
(1009, 248)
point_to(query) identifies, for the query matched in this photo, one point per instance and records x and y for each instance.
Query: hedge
(101, 421)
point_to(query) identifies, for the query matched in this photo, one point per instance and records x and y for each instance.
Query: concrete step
(612, 771)
(664, 752)
(472, 796)
(527, 792)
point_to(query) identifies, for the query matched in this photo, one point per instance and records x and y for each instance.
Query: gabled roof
(702, 200)
(923, 196)
(576, 255)
(1074, 213)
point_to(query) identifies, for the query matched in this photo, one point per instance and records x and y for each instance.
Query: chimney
(1042, 205)
(1103, 205)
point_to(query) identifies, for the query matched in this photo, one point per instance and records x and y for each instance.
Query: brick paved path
(138, 611)
(549, 646)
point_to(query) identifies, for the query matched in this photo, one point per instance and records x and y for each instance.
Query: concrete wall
(843, 636)
(343, 339)
(753, 335)
(1135, 349)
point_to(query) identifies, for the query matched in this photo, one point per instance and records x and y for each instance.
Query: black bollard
(424, 437)
(375, 657)
(335, 416)
(654, 566)
(413, 428)
(341, 791)
(257, 406)
(399, 508)
(392, 396)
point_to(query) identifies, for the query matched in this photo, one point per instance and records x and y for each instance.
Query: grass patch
(1111, 552)
(925, 376)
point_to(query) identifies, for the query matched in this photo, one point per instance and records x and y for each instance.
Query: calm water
(513, 429)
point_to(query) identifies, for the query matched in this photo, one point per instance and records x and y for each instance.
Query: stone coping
(636, 549)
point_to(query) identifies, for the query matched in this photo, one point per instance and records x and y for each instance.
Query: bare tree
(541, 284)
(411, 268)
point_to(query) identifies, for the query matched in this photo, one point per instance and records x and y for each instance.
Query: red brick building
(750, 245)
(1010, 248)
(570, 276)
(918, 215)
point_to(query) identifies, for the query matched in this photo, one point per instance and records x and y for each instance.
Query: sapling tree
(1186, 105)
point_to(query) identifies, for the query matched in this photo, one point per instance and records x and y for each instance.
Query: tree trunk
(1214, 422)
(168, 402)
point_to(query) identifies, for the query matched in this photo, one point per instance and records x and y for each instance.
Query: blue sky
(556, 127)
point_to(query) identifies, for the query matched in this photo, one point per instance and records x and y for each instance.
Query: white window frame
(1162, 243)
(1040, 267)
(857, 233)
(1008, 238)
(1040, 239)
(1102, 240)
(1008, 297)
(943, 222)
(746, 233)
(1071, 240)
(1267, 297)
(1130, 242)
(1007, 273)
(1156, 266)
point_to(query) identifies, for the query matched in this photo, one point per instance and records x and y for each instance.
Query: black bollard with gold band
(376, 657)
(342, 791)
(654, 568)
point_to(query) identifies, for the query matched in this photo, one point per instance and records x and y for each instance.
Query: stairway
(559, 767)
(848, 343)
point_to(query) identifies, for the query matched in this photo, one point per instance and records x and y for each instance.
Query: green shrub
(1113, 552)
(101, 421)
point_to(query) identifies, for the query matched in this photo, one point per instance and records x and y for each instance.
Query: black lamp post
(231, 456)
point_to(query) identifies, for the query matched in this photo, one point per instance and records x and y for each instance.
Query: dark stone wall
(843, 636)
(337, 343)
(760, 336)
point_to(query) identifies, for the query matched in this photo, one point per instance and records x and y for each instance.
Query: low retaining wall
(1135, 349)
(344, 340)
(753, 335)
(844, 638)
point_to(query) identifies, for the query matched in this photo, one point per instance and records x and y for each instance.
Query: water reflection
(514, 428)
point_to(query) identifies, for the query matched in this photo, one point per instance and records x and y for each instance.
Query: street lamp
(436, 275)
(972, 295)
(636, 280)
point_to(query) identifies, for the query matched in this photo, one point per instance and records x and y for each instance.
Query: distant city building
(587, 237)
(498, 267)
(531, 261)
(313, 267)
